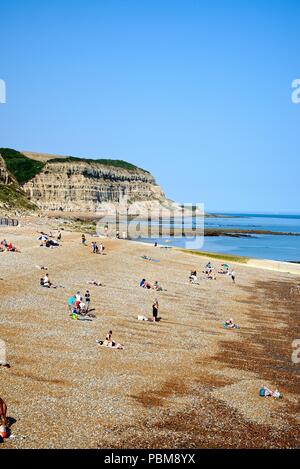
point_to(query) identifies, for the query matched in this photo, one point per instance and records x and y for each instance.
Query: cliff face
(84, 186)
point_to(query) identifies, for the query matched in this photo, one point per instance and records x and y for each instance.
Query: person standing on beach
(71, 302)
(155, 308)
(83, 240)
(233, 276)
(87, 297)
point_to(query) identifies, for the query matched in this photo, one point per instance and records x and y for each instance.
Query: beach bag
(262, 392)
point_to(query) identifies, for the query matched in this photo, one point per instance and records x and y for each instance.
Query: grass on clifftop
(221, 257)
(24, 168)
(116, 163)
(21, 167)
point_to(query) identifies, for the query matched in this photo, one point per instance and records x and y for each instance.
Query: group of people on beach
(77, 307)
(155, 286)
(97, 249)
(48, 241)
(210, 273)
(8, 246)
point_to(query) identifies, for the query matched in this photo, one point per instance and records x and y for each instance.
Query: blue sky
(199, 93)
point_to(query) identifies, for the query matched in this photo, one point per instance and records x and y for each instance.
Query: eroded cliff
(85, 186)
(73, 184)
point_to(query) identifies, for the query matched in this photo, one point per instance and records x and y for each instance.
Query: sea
(275, 247)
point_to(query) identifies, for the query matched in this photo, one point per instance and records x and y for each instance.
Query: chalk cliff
(71, 184)
(85, 186)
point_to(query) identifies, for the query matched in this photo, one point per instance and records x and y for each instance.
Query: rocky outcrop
(80, 185)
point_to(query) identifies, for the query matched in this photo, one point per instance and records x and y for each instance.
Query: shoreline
(287, 267)
(292, 267)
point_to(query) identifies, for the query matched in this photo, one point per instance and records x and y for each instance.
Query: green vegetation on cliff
(116, 163)
(24, 168)
(12, 197)
(21, 167)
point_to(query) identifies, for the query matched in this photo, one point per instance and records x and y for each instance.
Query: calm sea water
(277, 247)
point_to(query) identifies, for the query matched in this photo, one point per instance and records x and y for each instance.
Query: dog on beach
(3, 411)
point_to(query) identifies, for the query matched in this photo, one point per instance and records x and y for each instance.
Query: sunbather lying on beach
(108, 342)
(148, 285)
(211, 275)
(50, 243)
(147, 258)
(8, 247)
(229, 324)
(223, 271)
(93, 282)
(265, 392)
(157, 287)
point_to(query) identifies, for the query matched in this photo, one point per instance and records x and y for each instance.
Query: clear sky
(198, 93)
